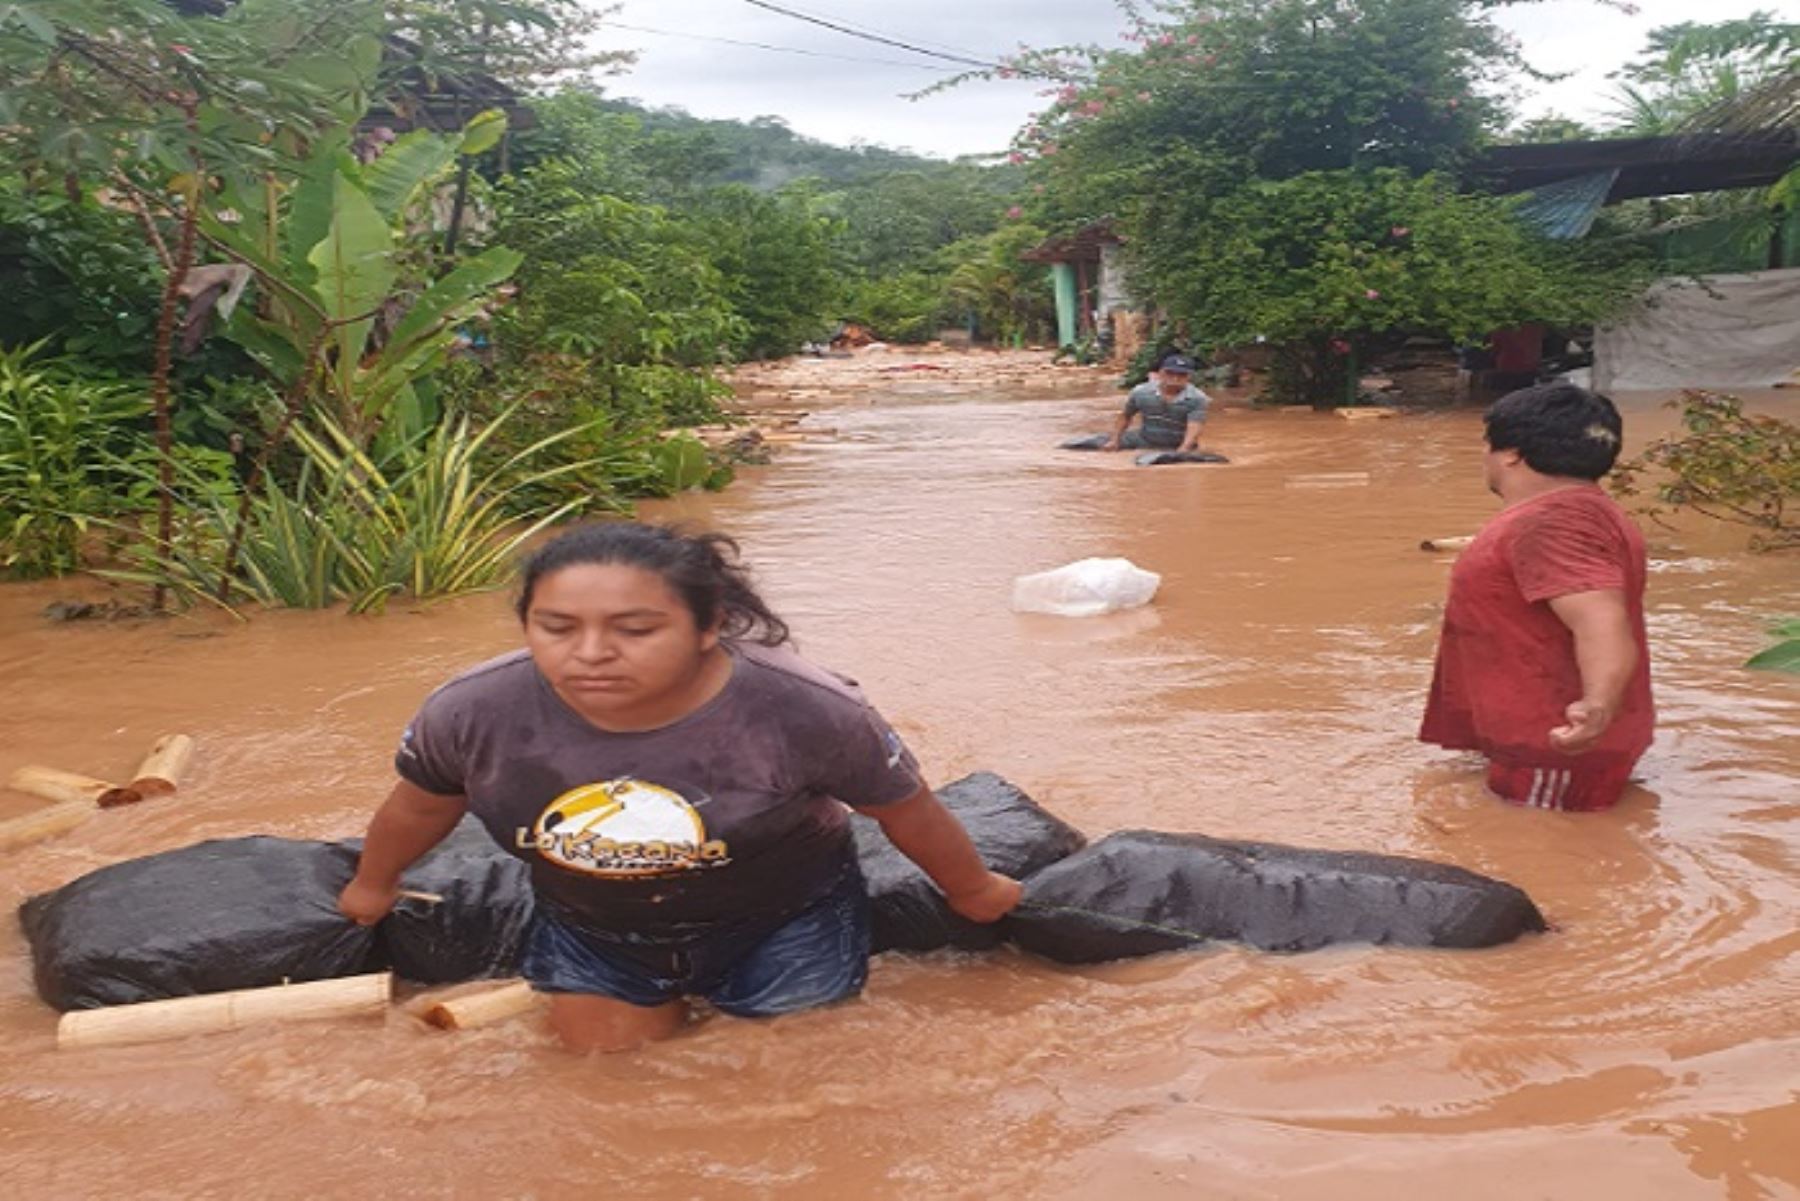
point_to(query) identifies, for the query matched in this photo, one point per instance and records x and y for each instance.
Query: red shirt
(1506, 668)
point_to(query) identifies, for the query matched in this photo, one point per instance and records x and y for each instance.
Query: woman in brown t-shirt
(676, 778)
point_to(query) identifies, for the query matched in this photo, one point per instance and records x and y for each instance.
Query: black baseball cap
(1178, 362)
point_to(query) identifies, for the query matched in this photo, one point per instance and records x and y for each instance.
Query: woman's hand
(366, 903)
(992, 900)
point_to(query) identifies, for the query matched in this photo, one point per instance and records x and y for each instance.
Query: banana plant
(327, 248)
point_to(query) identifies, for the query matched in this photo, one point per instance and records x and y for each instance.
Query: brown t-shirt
(728, 819)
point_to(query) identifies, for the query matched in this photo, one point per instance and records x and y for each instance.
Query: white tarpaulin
(1717, 331)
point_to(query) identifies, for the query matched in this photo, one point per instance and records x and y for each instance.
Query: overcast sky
(843, 101)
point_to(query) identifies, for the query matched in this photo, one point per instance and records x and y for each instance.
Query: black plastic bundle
(235, 913)
(1138, 892)
(1015, 836)
(251, 912)
(478, 929)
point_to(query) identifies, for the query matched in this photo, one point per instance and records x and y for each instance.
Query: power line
(847, 58)
(872, 37)
(962, 51)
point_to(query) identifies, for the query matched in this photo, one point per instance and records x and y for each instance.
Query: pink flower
(1167, 39)
(1037, 189)
(1015, 158)
(1014, 213)
(1093, 108)
(1049, 148)
(1210, 59)
(1371, 294)
(1193, 39)
(178, 48)
(1339, 346)
(1144, 96)
(1399, 231)
(1007, 72)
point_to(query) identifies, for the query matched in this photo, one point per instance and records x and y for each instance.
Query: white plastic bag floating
(1085, 588)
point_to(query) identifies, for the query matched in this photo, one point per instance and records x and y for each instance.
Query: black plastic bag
(235, 913)
(1139, 892)
(1163, 458)
(1014, 835)
(478, 929)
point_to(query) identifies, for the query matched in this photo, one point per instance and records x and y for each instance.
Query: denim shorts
(819, 956)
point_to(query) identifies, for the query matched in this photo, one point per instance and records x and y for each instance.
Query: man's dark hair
(1558, 429)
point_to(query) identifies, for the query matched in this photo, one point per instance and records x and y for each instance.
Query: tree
(1551, 127)
(1273, 167)
(1008, 297)
(1693, 68)
(1330, 267)
(776, 255)
(158, 106)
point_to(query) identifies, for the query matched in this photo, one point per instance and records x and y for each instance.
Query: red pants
(1576, 787)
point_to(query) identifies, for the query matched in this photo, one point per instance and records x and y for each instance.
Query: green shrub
(436, 518)
(66, 449)
(1726, 464)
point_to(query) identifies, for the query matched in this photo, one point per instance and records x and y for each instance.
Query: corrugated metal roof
(1567, 208)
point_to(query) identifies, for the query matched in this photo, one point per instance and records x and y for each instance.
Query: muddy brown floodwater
(1649, 1048)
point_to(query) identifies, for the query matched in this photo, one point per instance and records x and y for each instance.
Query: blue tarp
(1567, 208)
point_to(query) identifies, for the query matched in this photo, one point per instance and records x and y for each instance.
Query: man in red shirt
(1543, 665)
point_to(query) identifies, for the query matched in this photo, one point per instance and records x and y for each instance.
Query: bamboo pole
(45, 823)
(157, 1021)
(160, 772)
(54, 785)
(483, 1008)
(1456, 543)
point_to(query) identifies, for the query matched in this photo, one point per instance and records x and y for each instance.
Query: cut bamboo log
(1328, 479)
(1456, 543)
(1363, 414)
(45, 823)
(54, 785)
(157, 1021)
(160, 772)
(483, 1008)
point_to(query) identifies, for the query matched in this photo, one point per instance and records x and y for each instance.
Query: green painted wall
(1063, 276)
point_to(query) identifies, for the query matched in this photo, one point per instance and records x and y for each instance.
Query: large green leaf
(266, 342)
(356, 271)
(484, 131)
(683, 462)
(313, 204)
(414, 158)
(1783, 656)
(451, 299)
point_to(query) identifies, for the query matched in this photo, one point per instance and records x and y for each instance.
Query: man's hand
(1110, 444)
(1587, 721)
(996, 897)
(365, 903)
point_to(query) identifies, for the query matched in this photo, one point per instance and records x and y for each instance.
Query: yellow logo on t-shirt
(623, 827)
